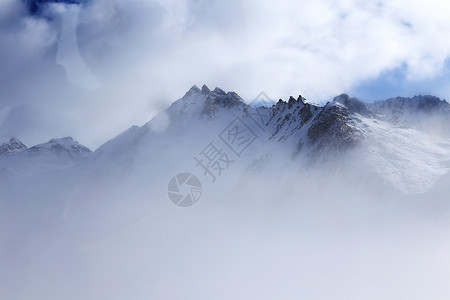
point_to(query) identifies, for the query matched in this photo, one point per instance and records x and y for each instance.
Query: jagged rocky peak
(229, 99)
(205, 89)
(299, 99)
(14, 146)
(206, 102)
(192, 91)
(354, 104)
(430, 103)
(16, 143)
(292, 100)
(428, 113)
(425, 104)
(191, 103)
(282, 105)
(296, 106)
(218, 98)
(334, 127)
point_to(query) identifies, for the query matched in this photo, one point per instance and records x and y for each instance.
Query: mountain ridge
(307, 134)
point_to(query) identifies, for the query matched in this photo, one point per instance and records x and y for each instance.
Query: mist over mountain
(304, 134)
(110, 189)
(214, 190)
(221, 190)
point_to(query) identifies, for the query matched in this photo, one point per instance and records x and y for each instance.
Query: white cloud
(146, 52)
(317, 47)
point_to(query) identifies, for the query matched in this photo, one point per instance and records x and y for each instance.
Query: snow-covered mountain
(290, 142)
(36, 166)
(400, 151)
(402, 141)
(285, 190)
(53, 154)
(427, 113)
(13, 146)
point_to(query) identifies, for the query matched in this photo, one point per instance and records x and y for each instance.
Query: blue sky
(392, 83)
(91, 71)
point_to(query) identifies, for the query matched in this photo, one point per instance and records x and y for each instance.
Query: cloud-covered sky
(91, 71)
